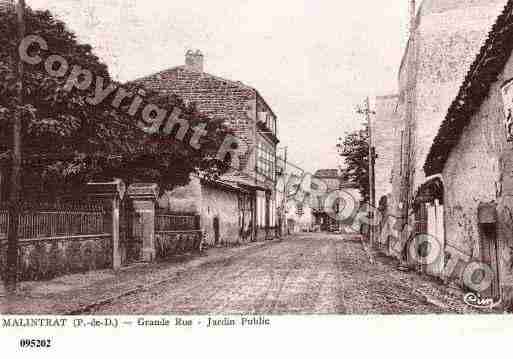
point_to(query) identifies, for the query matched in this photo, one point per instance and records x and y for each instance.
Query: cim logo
(474, 300)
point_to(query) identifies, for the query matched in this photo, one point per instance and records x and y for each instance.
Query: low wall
(168, 243)
(46, 258)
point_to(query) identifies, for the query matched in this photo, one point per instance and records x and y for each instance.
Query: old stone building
(246, 112)
(293, 197)
(226, 209)
(472, 155)
(324, 181)
(326, 200)
(386, 138)
(445, 35)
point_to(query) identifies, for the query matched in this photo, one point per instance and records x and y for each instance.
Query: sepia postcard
(337, 172)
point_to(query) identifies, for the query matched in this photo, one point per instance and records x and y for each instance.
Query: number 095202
(35, 343)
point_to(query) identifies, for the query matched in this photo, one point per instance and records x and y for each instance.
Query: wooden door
(216, 230)
(488, 247)
(421, 227)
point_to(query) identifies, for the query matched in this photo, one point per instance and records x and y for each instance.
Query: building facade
(245, 111)
(327, 203)
(386, 140)
(472, 155)
(293, 196)
(444, 37)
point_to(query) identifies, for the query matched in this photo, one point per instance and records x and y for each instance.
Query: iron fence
(45, 221)
(176, 222)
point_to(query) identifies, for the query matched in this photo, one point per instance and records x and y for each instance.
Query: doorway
(488, 247)
(216, 230)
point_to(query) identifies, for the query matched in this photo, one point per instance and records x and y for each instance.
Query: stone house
(293, 191)
(444, 37)
(472, 159)
(249, 188)
(325, 181)
(325, 202)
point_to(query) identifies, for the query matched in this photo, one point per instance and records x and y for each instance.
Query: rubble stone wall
(386, 136)
(172, 243)
(449, 36)
(42, 259)
(480, 169)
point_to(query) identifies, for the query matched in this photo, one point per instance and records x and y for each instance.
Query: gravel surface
(308, 274)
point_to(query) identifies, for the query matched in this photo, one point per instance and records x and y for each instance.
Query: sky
(313, 61)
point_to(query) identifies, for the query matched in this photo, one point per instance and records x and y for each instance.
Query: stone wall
(221, 204)
(43, 259)
(386, 137)
(212, 201)
(172, 243)
(479, 169)
(448, 38)
(406, 91)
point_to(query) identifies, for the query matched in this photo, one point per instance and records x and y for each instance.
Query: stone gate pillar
(143, 197)
(111, 193)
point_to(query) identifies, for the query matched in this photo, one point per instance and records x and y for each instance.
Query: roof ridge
(183, 67)
(460, 111)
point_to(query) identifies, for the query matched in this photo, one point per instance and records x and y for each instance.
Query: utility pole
(16, 161)
(284, 194)
(284, 197)
(367, 112)
(372, 161)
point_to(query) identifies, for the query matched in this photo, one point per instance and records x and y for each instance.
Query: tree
(354, 148)
(61, 133)
(169, 161)
(67, 141)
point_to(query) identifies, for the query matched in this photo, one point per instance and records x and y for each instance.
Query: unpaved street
(307, 274)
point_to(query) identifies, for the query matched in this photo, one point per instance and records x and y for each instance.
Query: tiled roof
(215, 96)
(482, 74)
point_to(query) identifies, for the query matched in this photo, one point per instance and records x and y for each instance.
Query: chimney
(194, 61)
